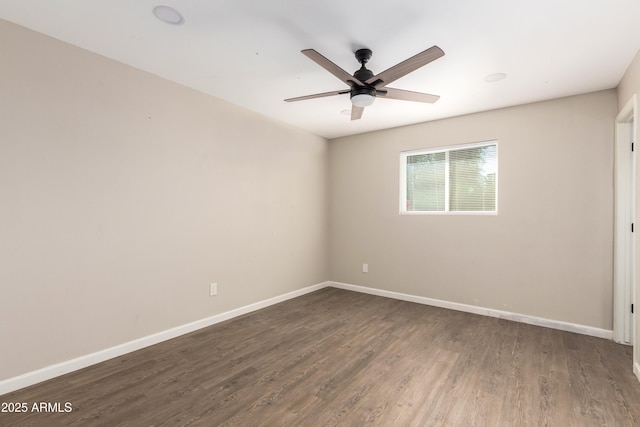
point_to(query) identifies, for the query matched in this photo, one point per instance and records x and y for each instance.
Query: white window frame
(446, 150)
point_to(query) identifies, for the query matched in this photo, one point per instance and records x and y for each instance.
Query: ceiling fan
(365, 85)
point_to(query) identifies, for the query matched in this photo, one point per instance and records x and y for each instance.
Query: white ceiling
(248, 51)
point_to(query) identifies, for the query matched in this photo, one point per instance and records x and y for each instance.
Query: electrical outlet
(365, 268)
(213, 289)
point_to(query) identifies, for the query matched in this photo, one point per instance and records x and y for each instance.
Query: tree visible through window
(459, 179)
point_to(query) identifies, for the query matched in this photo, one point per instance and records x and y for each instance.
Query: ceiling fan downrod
(363, 56)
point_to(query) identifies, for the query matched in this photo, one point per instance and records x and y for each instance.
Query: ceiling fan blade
(405, 67)
(331, 67)
(407, 95)
(317, 95)
(356, 112)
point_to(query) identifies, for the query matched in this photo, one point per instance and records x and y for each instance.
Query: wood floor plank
(340, 358)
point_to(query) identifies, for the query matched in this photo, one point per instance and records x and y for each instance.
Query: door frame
(624, 327)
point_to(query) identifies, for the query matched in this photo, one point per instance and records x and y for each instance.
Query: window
(456, 179)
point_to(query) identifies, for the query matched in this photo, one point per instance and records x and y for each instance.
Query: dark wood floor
(335, 357)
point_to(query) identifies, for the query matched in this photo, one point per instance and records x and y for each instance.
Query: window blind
(453, 180)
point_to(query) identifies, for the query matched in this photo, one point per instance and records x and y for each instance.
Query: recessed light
(495, 77)
(168, 15)
(345, 112)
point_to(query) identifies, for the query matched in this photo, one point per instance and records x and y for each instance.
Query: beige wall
(548, 253)
(629, 86)
(123, 195)
(630, 83)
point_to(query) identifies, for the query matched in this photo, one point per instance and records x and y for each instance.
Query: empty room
(336, 213)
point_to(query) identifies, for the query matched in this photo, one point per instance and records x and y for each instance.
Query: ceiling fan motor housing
(363, 74)
(363, 90)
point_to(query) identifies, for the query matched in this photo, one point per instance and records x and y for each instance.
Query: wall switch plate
(365, 268)
(213, 289)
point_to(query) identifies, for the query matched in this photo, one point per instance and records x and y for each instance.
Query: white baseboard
(523, 318)
(636, 370)
(46, 373)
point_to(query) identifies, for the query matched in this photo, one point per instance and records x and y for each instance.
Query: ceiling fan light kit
(362, 99)
(366, 86)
